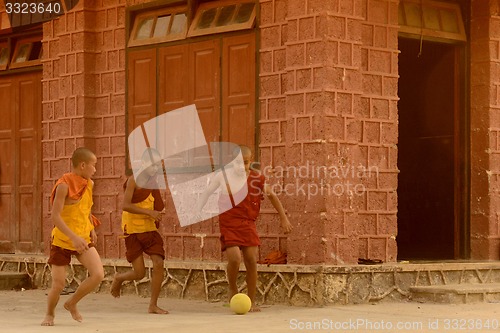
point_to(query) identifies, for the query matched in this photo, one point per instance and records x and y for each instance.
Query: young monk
(142, 211)
(73, 233)
(237, 225)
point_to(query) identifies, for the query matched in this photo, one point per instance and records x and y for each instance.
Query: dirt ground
(22, 311)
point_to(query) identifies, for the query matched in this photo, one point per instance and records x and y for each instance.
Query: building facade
(377, 122)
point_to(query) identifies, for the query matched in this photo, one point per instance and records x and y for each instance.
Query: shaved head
(245, 150)
(80, 155)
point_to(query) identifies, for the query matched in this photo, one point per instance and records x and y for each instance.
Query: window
(159, 26)
(214, 18)
(27, 53)
(432, 20)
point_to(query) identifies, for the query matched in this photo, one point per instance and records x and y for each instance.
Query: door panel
(142, 87)
(7, 181)
(174, 73)
(204, 59)
(238, 89)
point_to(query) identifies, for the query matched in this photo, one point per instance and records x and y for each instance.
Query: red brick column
(485, 130)
(83, 105)
(328, 80)
(377, 118)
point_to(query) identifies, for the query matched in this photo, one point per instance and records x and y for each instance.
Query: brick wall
(328, 98)
(485, 129)
(378, 115)
(328, 93)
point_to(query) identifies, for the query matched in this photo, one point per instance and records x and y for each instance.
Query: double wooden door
(217, 75)
(20, 163)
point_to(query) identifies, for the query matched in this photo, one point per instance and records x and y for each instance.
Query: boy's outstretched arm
(285, 224)
(57, 207)
(202, 200)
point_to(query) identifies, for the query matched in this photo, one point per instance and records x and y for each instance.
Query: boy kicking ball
(237, 225)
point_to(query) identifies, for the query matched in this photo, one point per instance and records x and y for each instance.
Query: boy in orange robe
(237, 225)
(142, 211)
(73, 233)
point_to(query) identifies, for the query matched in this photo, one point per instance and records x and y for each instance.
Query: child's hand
(156, 215)
(285, 224)
(80, 244)
(93, 236)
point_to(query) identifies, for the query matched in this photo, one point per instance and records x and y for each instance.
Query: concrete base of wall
(313, 285)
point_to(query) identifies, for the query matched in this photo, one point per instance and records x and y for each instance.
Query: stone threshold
(305, 285)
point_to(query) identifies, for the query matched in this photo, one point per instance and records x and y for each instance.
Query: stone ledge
(459, 288)
(14, 280)
(313, 285)
(457, 293)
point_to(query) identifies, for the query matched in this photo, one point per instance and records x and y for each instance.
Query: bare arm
(202, 201)
(78, 242)
(93, 234)
(285, 224)
(128, 206)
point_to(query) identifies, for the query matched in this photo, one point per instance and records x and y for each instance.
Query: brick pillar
(485, 130)
(329, 125)
(83, 105)
(66, 64)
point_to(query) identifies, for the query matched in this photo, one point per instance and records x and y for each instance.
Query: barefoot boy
(142, 211)
(237, 225)
(73, 233)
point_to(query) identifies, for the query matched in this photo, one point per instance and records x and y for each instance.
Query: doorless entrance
(429, 223)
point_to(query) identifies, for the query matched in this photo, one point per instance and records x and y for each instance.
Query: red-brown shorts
(62, 257)
(146, 242)
(238, 232)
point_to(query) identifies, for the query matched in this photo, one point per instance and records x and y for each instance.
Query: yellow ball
(240, 303)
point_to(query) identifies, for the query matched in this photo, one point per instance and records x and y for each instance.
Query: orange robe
(237, 225)
(76, 216)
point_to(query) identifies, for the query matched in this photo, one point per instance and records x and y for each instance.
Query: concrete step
(457, 293)
(13, 280)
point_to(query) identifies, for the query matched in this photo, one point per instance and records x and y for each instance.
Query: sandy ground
(23, 311)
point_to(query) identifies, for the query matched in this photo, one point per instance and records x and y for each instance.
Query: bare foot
(48, 321)
(254, 309)
(157, 310)
(74, 312)
(116, 286)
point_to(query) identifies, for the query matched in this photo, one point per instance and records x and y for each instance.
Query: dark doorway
(427, 148)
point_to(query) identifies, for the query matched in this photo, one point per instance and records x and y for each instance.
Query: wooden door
(217, 75)
(20, 163)
(190, 74)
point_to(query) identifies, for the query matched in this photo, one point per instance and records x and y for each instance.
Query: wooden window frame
(5, 44)
(27, 63)
(225, 28)
(432, 34)
(154, 15)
